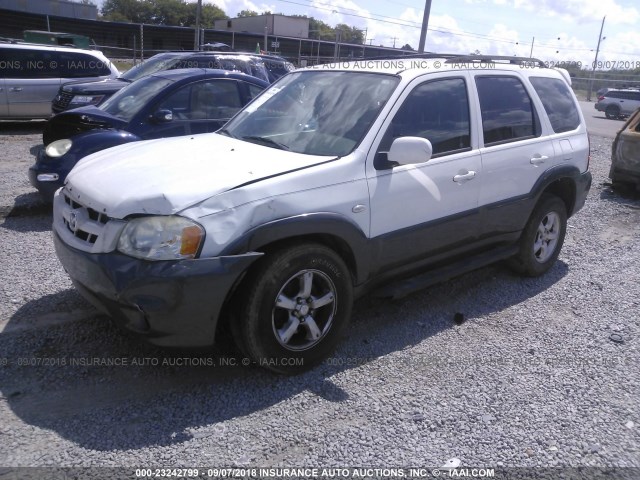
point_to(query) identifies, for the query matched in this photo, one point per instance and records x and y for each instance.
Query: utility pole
(394, 41)
(595, 62)
(425, 25)
(533, 40)
(196, 41)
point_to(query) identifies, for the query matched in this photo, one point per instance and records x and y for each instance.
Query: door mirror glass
(162, 116)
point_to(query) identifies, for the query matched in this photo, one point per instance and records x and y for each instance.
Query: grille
(62, 100)
(84, 223)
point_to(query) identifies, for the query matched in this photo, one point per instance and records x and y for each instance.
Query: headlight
(58, 148)
(86, 99)
(161, 238)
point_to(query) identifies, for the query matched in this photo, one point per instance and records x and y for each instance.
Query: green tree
(127, 11)
(167, 12)
(350, 34)
(248, 13)
(406, 46)
(161, 12)
(208, 15)
(319, 29)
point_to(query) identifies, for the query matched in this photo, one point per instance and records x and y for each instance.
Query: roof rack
(411, 55)
(495, 58)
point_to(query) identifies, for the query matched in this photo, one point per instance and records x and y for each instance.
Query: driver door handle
(464, 177)
(538, 159)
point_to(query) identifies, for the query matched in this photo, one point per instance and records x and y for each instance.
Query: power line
(443, 30)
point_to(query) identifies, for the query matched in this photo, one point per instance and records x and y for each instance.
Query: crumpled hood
(79, 120)
(166, 176)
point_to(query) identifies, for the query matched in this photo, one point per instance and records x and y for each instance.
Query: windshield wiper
(225, 132)
(266, 141)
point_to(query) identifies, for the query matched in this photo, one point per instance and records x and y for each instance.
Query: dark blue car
(166, 104)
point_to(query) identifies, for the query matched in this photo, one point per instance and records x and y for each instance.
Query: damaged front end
(170, 302)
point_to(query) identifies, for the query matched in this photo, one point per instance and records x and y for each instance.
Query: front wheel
(296, 304)
(542, 237)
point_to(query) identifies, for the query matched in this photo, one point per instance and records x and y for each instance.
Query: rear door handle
(464, 177)
(538, 159)
(15, 89)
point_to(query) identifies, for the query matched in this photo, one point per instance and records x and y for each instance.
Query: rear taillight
(600, 99)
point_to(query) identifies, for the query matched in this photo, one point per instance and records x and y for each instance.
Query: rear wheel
(296, 304)
(542, 237)
(612, 112)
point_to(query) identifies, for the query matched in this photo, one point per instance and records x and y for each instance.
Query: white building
(270, 24)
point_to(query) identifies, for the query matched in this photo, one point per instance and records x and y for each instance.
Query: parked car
(31, 75)
(618, 103)
(625, 154)
(77, 94)
(336, 180)
(165, 104)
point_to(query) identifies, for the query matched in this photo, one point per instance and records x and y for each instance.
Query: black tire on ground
(542, 237)
(612, 112)
(294, 307)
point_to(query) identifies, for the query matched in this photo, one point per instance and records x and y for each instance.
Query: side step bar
(402, 288)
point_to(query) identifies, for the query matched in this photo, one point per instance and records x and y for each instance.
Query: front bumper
(51, 167)
(171, 303)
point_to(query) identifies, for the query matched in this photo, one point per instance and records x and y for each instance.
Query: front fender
(84, 144)
(339, 230)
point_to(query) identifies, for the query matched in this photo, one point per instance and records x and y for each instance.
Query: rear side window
(254, 90)
(508, 114)
(28, 63)
(32, 63)
(558, 103)
(207, 100)
(80, 65)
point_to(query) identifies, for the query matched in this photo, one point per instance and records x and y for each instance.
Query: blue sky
(563, 30)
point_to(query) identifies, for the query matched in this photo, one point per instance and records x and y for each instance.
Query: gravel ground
(542, 372)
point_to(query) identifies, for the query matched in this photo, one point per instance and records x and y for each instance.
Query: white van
(31, 75)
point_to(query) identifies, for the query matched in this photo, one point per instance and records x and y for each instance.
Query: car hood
(108, 85)
(165, 176)
(79, 120)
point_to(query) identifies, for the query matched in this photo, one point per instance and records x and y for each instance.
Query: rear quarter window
(558, 103)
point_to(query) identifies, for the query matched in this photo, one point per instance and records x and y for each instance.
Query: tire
(542, 238)
(612, 112)
(295, 305)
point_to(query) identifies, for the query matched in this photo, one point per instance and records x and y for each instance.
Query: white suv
(31, 74)
(336, 180)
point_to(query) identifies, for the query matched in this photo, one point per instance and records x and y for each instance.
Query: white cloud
(582, 11)
(233, 7)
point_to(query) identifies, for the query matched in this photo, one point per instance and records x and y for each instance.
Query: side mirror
(162, 116)
(410, 150)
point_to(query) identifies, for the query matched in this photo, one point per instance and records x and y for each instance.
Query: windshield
(127, 102)
(315, 112)
(155, 64)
